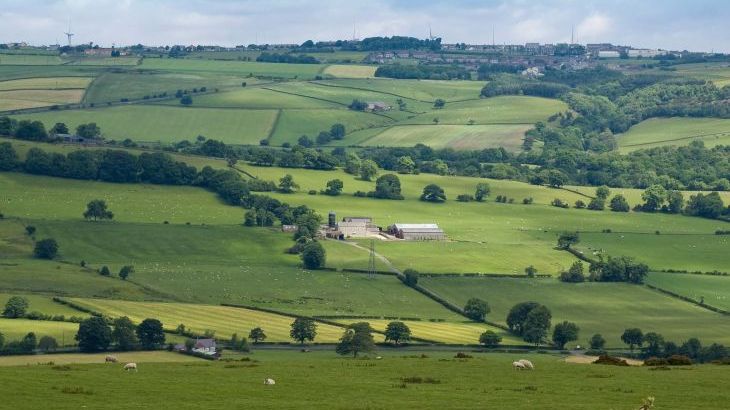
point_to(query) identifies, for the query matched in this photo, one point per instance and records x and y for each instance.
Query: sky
(698, 25)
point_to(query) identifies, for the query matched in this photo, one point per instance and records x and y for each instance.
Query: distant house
(99, 52)
(205, 346)
(378, 106)
(417, 232)
(609, 54)
(288, 228)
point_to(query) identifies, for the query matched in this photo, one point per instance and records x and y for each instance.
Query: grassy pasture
(718, 73)
(66, 199)
(259, 98)
(453, 136)
(350, 71)
(154, 123)
(105, 61)
(485, 237)
(606, 308)
(97, 358)
(420, 90)
(45, 83)
(29, 59)
(11, 72)
(21, 99)
(446, 332)
(22, 147)
(714, 289)
(239, 68)
(293, 123)
(43, 304)
(112, 86)
(16, 329)
(703, 252)
(656, 132)
(197, 318)
(486, 381)
(497, 110)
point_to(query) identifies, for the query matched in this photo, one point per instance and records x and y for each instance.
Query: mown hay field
(223, 320)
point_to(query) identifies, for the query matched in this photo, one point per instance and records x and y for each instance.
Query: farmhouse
(417, 232)
(378, 106)
(205, 346)
(357, 226)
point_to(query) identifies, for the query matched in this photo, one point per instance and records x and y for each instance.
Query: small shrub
(312, 192)
(679, 360)
(610, 360)
(462, 355)
(76, 390)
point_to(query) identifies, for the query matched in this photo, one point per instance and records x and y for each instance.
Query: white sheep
(518, 366)
(130, 366)
(528, 364)
(269, 382)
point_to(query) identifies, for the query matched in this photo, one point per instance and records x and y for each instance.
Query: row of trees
(653, 344)
(423, 72)
(36, 130)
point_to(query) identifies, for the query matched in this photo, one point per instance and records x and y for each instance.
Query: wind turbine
(69, 34)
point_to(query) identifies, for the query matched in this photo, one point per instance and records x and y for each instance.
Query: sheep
(518, 366)
(269, 382)
(130, 366)
(528, 364)
(110, 359)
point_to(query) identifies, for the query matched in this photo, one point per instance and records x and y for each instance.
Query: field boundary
(370, 90)
(274, 124)
(688, 299)
(328, 101)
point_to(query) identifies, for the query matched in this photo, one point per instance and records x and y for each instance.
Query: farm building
(378, 106)
(417, 232)
(351, 226)
(357, 226)
(205, 346)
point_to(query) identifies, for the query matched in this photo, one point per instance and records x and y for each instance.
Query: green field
(113, 86)
(606, 308)
(153, 123)
(465, 137)
(717, 73)
(43, 304)
(16, 329)
(46, 83)
(296, 122)
(703, 252)
(242, 68)
(714, 289)
(486, 381)
(419, 90)
(22, 99)
(350, 71)
(259, 98)
(224, 321)
(29, 59)
(491, 237)
(656, 132)
(96, 358)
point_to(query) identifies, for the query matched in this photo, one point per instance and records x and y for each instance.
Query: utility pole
(371, 262)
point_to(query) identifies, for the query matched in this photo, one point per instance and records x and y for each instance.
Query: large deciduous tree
(303, 329)
(97, 210)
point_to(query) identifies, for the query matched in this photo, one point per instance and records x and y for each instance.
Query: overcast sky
(702, 25)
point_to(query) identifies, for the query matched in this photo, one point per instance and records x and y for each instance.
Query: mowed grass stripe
(223, 320)
(444, 332)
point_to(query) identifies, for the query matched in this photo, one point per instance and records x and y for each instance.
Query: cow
(528, 364)
(130, 366)
(518, 366)
(110, 359)
(269, 382)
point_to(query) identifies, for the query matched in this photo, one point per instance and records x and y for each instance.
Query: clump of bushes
(610, 360)
(462, 355)
(673, 360)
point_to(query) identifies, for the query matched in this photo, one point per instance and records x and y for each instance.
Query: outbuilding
(417, 232)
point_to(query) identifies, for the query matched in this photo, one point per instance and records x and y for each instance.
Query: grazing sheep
(130, 366)
(528, 364)
(269, 382)
(518, 366)
(110, 359)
